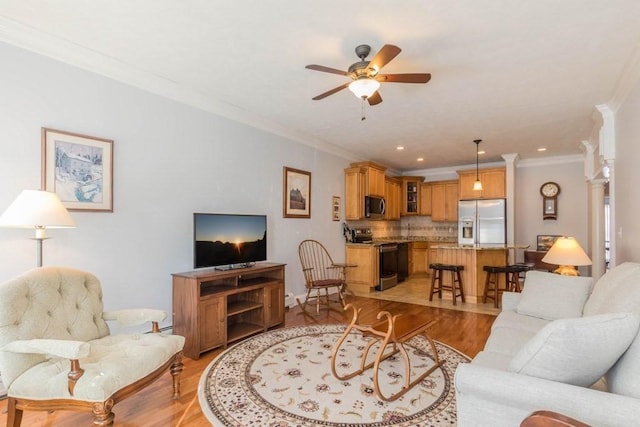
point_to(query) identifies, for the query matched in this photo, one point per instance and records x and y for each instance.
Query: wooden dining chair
(320, 274)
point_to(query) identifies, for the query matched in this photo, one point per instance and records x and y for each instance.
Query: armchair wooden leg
(14, 415)
(176, 371)
(102, 415)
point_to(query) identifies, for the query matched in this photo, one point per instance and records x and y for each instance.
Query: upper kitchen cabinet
(392, 196)
(425, 199)
(411, 194)
(354, 193)
(493, 184)
(360, 180)
(444, 201)
(373, 178)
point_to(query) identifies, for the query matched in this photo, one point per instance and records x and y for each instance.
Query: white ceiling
(517, 74)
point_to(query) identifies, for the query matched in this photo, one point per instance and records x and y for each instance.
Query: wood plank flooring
(463, 330)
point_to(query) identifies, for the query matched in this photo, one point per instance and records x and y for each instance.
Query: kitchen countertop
(481, 247)
(399, 239)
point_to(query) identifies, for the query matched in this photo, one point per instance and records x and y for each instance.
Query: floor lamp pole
(39, 251)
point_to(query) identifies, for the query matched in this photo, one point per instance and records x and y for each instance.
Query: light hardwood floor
(466, 331)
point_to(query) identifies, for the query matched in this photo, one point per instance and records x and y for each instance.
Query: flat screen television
(227, 241)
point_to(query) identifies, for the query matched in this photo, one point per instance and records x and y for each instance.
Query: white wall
(627, 179)
(170, 160)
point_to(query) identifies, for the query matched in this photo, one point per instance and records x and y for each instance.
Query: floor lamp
(566, 252)
(38, 210)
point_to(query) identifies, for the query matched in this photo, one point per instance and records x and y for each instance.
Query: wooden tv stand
(212, 308)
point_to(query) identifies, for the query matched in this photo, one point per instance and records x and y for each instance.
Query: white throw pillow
(577, 351)
(553, 296)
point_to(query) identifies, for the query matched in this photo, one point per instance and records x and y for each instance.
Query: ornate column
(597, 228)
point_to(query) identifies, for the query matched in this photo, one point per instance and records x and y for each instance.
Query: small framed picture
(79, 169)
(335, 208)
(296, 196)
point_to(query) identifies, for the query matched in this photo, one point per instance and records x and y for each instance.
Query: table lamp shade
(37, 209)
(567, 253)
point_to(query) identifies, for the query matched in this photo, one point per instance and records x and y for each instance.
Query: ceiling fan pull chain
(363, 102)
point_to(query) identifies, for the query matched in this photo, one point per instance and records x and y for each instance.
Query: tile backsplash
(410, 227)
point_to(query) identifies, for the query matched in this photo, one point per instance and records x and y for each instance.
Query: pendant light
(477, 186)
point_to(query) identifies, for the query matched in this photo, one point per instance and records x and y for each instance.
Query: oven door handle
(388, 248)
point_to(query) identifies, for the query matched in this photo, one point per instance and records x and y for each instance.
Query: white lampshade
(477, 185)
(567, 253)
(37, 209)
(364, 87)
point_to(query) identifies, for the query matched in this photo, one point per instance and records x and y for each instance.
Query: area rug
(283, 378)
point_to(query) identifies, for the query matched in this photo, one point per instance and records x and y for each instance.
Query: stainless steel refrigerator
(482, 222)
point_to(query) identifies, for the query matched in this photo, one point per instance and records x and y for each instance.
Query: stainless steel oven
(388, 253)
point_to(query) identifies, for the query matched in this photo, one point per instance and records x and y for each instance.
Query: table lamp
(567, 253)
(39, 210)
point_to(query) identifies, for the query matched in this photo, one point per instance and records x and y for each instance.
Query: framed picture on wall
(296, 193)
(79, 169)
(545, 241)
(335, 208)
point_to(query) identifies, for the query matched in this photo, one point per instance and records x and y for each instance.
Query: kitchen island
(364, 278)
(473, 258)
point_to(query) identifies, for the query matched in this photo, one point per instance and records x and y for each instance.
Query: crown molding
(22, 36)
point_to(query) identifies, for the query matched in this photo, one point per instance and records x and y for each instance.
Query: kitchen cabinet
(354, 193)
(411, 194)
(365, 275)
(444, 201)
(373, 177)
(392, 196)
(418, 258)
(425, 199)
(362, 179)
(493, 184)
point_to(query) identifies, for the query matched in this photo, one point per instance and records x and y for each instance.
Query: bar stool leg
(434, 273)
(486, 287)
(460, 285)
(453, 286)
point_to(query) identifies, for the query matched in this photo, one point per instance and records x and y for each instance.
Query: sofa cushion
(553, 296)
(507, 340)
(511, 319)
(577, 351)
(617, 291)
(492, 360)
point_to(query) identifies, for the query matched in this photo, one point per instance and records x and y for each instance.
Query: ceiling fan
(365, 75)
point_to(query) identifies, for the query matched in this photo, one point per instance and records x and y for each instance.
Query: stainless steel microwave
(374, 207)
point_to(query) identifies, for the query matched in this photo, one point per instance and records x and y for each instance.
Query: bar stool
(511, 281)
(456, 281)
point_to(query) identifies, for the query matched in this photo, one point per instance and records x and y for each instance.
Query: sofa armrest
(488, 396)
(510, 300)
(60, 348)
(135, 316)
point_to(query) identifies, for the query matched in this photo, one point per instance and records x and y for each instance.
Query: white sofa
(561, 345)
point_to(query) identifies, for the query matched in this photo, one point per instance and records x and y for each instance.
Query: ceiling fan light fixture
(364, 87)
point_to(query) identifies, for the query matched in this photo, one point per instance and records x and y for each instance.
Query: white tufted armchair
(56, 351)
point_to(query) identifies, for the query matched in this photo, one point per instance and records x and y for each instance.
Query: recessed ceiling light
(399, 148)
(420, 159)
(542, 149)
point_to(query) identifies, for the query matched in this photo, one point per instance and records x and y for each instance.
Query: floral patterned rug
(283, 378)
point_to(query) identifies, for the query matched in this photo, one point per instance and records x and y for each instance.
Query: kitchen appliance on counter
(482, 222)
(362, 235)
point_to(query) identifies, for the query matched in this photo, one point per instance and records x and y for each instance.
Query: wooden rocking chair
(320, 274)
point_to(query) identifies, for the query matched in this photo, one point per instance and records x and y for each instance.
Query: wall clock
(549, 192)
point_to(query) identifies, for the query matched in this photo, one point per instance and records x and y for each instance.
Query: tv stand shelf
(212, 308)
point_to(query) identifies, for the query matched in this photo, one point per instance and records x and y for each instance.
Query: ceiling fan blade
(404, 78)
(384, 55)
(375, 99)
(330, 92)
(326, 69)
